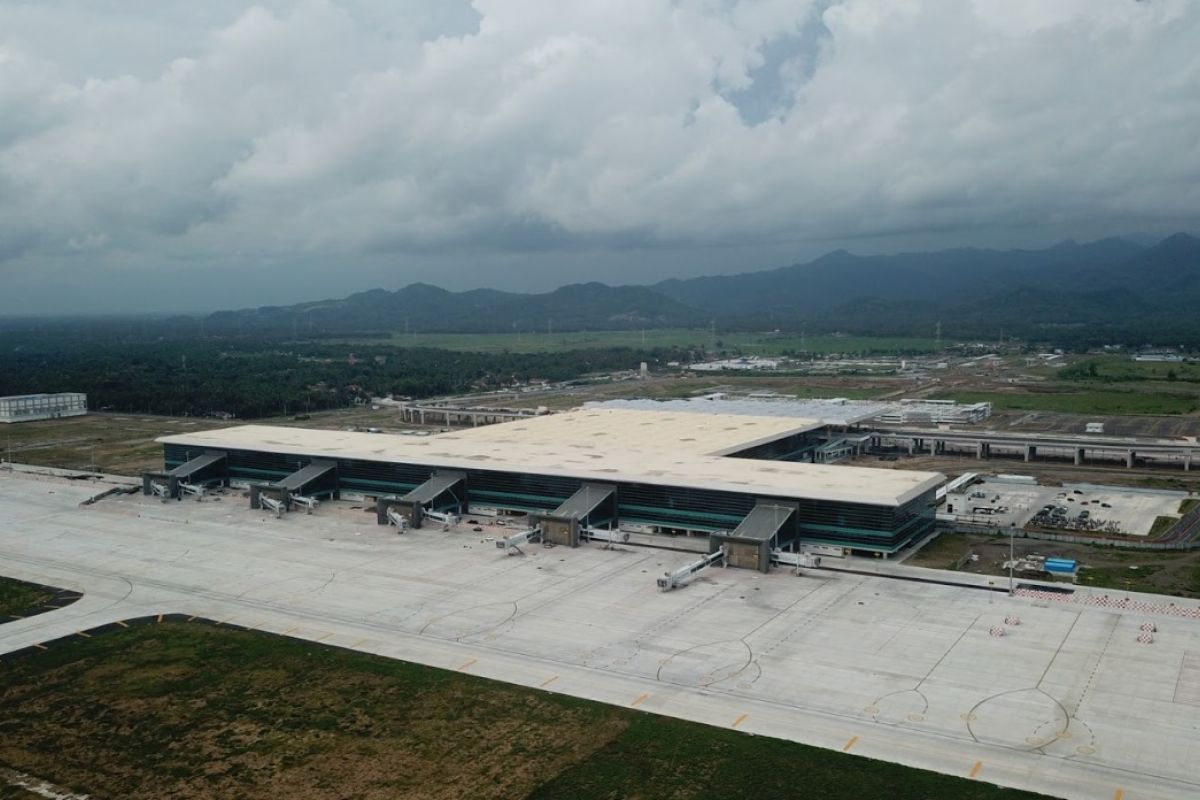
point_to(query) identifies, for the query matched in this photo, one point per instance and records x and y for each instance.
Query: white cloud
(163, 133)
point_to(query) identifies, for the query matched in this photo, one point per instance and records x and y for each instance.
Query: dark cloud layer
(194, 155)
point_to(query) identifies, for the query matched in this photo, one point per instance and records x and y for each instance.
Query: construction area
(1074, 692)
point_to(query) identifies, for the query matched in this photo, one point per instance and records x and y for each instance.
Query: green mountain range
(1107, 290)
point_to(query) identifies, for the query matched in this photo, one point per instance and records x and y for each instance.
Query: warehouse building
(648, 471)
(29, 407)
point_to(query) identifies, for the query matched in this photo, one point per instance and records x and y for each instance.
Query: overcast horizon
(161, 157)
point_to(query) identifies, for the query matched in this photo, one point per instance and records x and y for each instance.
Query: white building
(28, 407)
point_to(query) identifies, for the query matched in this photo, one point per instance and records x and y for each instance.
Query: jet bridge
(440, 498)
(592, 505)
(306, 486)
(769, 526)
(192, 477)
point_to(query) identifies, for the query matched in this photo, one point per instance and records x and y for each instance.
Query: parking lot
(1070, 507)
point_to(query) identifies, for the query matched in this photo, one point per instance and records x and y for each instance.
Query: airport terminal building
(734, 478)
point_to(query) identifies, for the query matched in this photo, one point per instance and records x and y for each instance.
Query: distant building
(929, 412)
(29, 407)
(1169, 358)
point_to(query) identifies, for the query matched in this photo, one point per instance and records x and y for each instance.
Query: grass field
(1071, 400)
(17, 596)
(124, 444)
(748, 343)
(1122, 368)
(193, 711)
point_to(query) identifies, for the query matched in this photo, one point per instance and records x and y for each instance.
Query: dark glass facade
(859, 526)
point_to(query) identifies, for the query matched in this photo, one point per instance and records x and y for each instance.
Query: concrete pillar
(912, 446)
(474, 420)
(1030, 452)
(979, 450)
(422, 416)
(447, 419)
(1129, 458)
(933, 447)
(1187, 461)
(1078, 456)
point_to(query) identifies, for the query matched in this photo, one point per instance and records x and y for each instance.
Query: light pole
(1012, 532)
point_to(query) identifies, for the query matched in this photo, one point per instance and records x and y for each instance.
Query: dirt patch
(1175, 573)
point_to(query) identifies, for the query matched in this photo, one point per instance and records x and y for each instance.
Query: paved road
(1067, 702)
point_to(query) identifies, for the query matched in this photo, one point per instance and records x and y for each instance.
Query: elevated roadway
(1077, 448)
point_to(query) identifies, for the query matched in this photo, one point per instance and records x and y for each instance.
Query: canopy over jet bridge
(209, 468)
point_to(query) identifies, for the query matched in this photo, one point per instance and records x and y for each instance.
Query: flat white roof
(598, 458)
(624, 429)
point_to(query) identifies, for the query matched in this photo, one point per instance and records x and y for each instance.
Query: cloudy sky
(172, 155)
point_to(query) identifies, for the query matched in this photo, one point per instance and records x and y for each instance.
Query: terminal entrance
(193, 477)
(307, 487)
(442, 498)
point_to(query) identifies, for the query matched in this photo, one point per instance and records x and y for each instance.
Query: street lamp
(1012, 532)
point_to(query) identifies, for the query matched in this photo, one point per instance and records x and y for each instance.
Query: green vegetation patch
(1133, 578)
(18, 596)
(700, 339)
(1162, 524)
(1083, 401)
(1123, 368)
(188, 711)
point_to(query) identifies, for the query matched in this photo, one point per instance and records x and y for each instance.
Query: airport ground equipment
(512, 544)
(209, 468)
(672, 580)
(442, 498)
(447, 519)
(310, 503)
(797, 561)
(197, 490)
(272, 504)
(592, 505)
(608, 536)
(394, 517)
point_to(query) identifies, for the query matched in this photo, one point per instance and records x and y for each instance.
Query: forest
(258, 378)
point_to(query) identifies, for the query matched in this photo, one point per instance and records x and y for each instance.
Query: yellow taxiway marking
(467, 664)
(41, 647)
(740, 720)
(189, 619)
(975, 769)
(1118, 794)
(849, 744)
(289, 630)
(122, 624)
(323, 636)
(637, 701)
(160, 617)
(360, 641)
(548, 681)
(84, 635)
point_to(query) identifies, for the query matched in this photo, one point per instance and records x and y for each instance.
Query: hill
(1107, 290)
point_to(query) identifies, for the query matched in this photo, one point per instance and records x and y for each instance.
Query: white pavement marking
(1068, 703)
